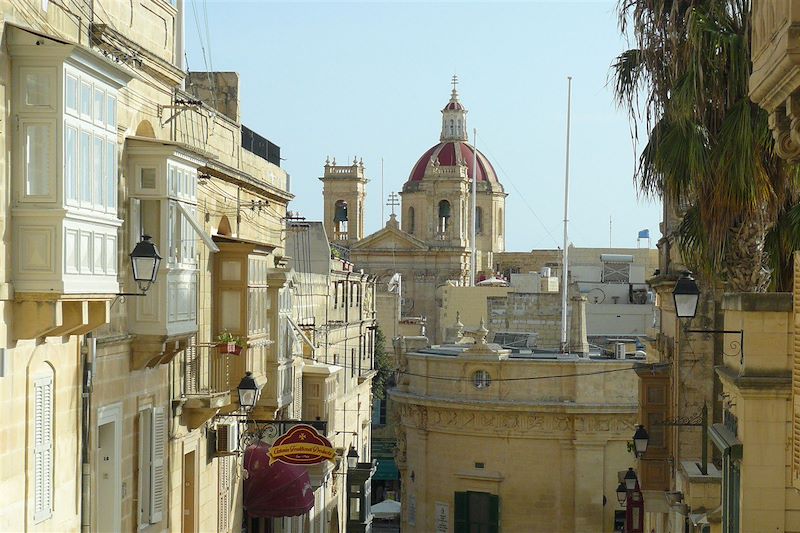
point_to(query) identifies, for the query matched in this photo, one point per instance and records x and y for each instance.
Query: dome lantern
(454, 118)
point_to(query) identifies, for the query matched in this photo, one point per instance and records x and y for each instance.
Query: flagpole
(565, 257)
(473, 260)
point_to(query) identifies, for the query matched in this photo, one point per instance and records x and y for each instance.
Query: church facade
(433, 244)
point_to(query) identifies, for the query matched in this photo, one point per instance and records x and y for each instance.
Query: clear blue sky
(369, 79)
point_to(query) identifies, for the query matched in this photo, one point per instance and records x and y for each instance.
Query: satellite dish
(596, 296)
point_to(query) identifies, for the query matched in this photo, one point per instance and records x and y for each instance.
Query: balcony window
(65, 170)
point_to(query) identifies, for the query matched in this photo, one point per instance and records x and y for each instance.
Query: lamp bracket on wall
(737, 346)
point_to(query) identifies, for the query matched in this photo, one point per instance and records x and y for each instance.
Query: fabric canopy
(493, 282)
(386, 471)
(386, 509)
(274, 490)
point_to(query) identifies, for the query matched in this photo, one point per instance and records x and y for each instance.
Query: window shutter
(461, 513)
(224, 493)
(43, 448)
(494, 513)
(145, 463)
(157, 469)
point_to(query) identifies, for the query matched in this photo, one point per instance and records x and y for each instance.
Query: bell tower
(344, 191)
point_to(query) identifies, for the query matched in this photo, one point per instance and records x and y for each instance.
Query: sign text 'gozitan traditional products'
(301, 445)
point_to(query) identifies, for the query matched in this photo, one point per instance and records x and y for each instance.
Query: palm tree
(709, 153)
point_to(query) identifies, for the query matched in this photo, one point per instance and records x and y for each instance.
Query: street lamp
(686, 295)
(144, 263)
(248, 391)
(622, 494)
(640, 441)
(630, 479)
(352, 458)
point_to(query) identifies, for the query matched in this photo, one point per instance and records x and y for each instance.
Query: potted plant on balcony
(227, 343)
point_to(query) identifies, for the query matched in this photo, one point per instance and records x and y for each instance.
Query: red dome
(451, 153)
(453, 105)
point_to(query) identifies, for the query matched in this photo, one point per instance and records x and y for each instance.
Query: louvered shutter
(461, 513)
(43, 448)
(224, 494)
(796, 377)
(191, 374)
(145, 463)
(158, 465)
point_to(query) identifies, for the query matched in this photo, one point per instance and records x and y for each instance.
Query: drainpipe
(88, 351)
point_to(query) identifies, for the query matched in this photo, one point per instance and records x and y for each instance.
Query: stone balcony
(775, 79)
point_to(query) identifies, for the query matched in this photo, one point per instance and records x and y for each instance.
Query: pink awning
(274, 490)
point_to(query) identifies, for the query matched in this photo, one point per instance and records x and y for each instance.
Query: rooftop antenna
(383, 214)
(565, 252)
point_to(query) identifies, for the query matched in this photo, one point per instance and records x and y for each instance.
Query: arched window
(500, 222)
(478, 220)
(444, 216)
(452, 127)
(410, 221)
(340, 220)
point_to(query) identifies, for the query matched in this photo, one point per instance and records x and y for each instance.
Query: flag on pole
(644, 234)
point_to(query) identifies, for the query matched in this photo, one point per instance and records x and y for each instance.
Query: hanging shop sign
(302, 445)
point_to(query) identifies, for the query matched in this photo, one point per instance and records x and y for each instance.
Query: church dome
(451, 154)
(448, 158)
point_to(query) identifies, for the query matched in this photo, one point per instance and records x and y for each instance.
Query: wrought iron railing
(205, 370)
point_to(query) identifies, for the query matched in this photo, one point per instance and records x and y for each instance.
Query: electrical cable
(507, 177)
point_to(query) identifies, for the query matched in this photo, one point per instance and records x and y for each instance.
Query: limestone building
(126, 412)
(433, 245)
(491, 439)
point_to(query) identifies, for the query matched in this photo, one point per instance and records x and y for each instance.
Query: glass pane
(111, 111)
(656, 430)
(147, 178)
(173, 232)
(86, 99)
(37, 159)
(150, 214)
(71, 163)
(37, 89)
(230, 310)
(97, 171)
(85, 167)
(111, 175)
(71, 94)
(99, 105)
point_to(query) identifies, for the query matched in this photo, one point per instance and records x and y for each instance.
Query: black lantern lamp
(630, 479)
(248, 391)
(686, 295)
(144, 262)
(352, 458)
(640, 441)
(622, 493)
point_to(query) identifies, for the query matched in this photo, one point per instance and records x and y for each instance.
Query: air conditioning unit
(227, 439)
(619, 350)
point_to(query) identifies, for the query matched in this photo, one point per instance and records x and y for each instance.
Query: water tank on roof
(619, 350)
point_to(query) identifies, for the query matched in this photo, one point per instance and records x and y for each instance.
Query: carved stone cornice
(784, 130)
(524, 424)
(775, 78)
